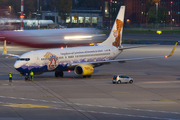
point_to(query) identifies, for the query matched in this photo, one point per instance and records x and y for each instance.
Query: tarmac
(154, 94)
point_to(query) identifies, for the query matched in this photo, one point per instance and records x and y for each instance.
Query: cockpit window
(24, 59)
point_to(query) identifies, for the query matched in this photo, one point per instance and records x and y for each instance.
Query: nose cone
(17, 65)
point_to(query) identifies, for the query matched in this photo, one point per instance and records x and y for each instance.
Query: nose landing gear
(27, 78)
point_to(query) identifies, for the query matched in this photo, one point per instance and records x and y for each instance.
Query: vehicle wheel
(89, 76)
(84, 76)
(119, 82)
(130, 81)
(56, 74)
(114, 82)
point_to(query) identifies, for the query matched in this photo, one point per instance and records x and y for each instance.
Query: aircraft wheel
(61, 74)
(56, 74)
(27, 78)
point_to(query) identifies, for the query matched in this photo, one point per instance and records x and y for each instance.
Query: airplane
(53, 38)
(82, 60)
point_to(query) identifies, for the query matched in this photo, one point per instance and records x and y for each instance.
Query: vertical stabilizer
(115, 35)
(5, 50)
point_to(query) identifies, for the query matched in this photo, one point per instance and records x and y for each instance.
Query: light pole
(22, 16)
(38, 13)
(111, 14)
(171, 14)
(156, 15)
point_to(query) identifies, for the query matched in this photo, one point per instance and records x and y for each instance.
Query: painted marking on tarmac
(23, 105)
(162, 82)
(168, 100)
(5, 84)
(89, 105)
(67, 109)
(118, 92)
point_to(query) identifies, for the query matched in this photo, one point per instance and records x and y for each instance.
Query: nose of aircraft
(17, 65)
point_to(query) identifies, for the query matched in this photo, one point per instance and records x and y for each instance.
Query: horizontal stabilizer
(5, 51)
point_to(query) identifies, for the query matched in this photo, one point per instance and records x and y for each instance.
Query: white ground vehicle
(121, 78)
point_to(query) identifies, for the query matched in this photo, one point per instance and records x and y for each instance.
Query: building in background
(135, 10)
(78, 17)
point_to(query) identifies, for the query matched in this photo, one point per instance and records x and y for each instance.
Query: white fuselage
(58, 59)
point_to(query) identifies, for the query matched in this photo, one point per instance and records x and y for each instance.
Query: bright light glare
(76, 37)
(18, 30)
(166, 56)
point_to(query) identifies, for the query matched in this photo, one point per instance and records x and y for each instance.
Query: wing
(96, 63)
(5, 51)
(122, 48)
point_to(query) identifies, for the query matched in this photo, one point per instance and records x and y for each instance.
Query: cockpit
(23, 59)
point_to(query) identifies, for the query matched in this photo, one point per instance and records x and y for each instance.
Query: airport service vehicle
(121, 78)
(82, 60)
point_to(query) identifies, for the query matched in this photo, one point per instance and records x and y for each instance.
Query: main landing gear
(59, 74)
(86, 76)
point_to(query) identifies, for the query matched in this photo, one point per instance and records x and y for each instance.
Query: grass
(137, 31)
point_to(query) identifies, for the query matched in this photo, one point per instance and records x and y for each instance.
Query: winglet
(5, 50)
(172, 50)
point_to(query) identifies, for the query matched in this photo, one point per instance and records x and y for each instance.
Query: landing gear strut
(86, 76)
(59, 74)
(27, 78)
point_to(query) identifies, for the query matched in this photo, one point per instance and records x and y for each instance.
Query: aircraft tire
(27, 78)
(56, 74)
(61, 74)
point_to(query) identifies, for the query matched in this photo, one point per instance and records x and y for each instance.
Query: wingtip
(5, 50)
(173, 49)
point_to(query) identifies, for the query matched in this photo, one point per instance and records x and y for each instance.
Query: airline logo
(117, 32)
(53, 61)
(88, 68)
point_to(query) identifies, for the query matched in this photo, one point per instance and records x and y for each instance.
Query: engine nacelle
(84, 70)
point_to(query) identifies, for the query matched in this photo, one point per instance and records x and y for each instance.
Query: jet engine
(84, 70)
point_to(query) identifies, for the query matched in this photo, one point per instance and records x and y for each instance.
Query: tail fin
(115, 35)
(5, 50)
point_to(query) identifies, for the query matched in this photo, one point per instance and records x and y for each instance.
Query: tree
(162, 15)
(89, 4)
(148, 5)
(64, 8)
(16, 6)
(29, 7)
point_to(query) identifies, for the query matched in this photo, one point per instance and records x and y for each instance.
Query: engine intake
(84, 70)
